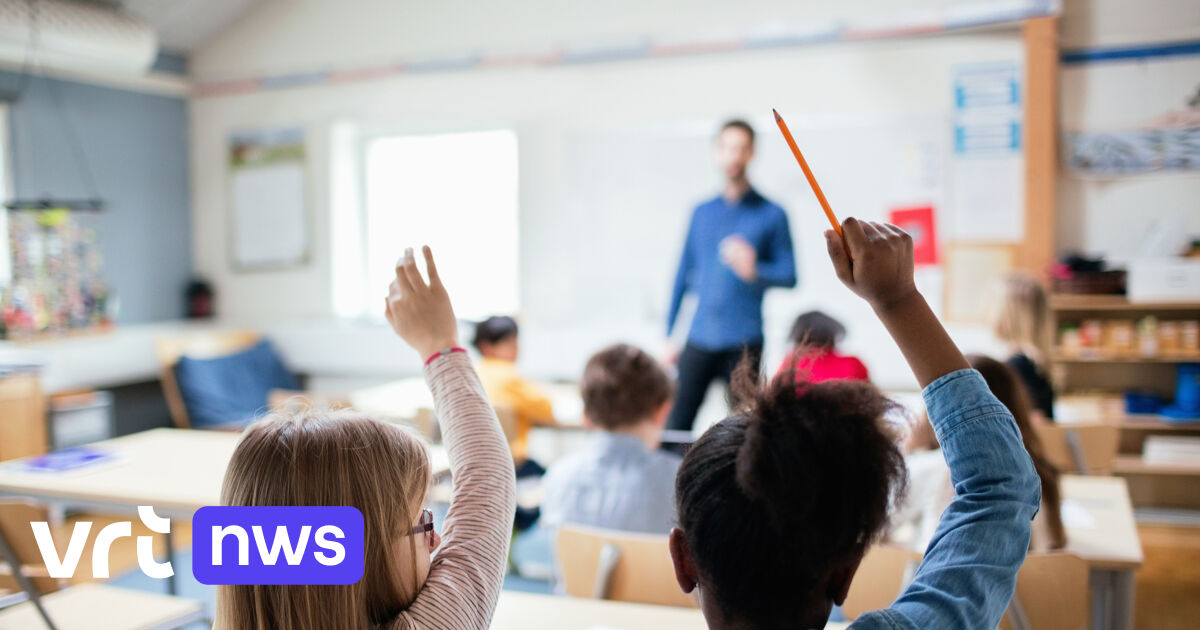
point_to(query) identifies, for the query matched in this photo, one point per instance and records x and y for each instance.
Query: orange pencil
(812, 181)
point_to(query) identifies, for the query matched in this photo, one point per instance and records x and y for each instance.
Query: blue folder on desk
(64, 460)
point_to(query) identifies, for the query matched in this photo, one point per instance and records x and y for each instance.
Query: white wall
(546, 105)
(892, 78)
(1112, 216)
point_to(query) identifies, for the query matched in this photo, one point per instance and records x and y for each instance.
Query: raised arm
(970, 569)
(465, 576)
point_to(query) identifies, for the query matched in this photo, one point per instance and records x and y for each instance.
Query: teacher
(738, 245)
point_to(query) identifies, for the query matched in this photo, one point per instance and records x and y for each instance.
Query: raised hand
(882, 274)
(882, 270)
(420, 312)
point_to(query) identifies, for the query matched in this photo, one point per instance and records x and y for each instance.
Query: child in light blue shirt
(621, 480)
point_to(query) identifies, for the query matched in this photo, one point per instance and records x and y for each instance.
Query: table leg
(1122, 600)
(1100, 584)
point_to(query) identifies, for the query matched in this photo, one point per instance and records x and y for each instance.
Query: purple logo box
(277, 545)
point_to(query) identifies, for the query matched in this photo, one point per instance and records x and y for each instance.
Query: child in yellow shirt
(496, 340)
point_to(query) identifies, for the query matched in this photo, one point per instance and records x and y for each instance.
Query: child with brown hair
(916, 518)
(346, 459)
(622, 480)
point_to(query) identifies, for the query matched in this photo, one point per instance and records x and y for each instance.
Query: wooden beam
(1039, 136)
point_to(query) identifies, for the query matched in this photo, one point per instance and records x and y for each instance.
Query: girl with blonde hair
(347, 459)
(1022, 322)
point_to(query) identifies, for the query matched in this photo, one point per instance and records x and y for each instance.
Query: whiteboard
(631, 190)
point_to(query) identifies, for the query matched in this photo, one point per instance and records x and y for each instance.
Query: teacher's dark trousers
(697, 369)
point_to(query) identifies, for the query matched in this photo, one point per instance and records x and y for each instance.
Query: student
(496, 340)
(778, 503)
(930, 489)
(1023, 323)
(1048, 531)
(342, 458)
(814, 356)
(621, 481)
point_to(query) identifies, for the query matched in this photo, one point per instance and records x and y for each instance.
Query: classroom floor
(1168, 586)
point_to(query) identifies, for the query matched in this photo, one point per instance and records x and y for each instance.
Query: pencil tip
(777, 118)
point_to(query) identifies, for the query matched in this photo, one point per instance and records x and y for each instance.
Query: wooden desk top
(1099, 521)
(101, 607)
(526, 610)
(177, 471)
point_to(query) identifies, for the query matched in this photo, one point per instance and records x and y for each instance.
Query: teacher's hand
(740, 256)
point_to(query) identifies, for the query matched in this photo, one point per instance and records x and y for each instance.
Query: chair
(606, 564)
(1085, 448)
(15, 516)
(41, 602)
(884, 572)
(231, 383)
(1052, 592)
(201, 345)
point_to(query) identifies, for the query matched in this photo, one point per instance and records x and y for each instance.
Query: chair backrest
(15, 517)
(207, 344)
(884, 572)
(621, 566)
(1052, 592)
(1084, 448)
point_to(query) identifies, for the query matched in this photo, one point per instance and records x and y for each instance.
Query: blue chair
(220, 380)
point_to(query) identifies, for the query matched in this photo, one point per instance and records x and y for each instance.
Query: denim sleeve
(970, 568)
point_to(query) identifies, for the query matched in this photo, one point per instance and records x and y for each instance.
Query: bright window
(456, 193)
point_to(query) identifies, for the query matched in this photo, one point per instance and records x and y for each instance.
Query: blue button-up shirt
(615, 483)
(970, 567)
(729, 312)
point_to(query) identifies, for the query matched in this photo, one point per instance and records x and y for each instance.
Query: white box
(1163, 280)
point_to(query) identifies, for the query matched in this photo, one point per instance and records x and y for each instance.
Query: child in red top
(814, 355)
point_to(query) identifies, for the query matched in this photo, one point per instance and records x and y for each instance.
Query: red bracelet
(442, 353)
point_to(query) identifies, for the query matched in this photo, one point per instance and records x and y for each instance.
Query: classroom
(628, 315)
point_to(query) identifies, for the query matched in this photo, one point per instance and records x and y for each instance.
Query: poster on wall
(918, 221)
(973, 272)
(268, 185)
(988, 197)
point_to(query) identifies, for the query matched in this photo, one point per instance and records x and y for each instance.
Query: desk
(1101, 529)
(521, 611)
(177, 471)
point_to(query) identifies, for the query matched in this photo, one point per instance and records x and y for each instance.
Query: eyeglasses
(425, 525)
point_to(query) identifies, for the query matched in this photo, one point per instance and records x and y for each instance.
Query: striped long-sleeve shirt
(465, 577)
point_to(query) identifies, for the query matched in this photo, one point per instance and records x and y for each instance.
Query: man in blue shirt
(738, 245)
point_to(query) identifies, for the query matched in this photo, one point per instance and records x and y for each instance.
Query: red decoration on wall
(918, 221)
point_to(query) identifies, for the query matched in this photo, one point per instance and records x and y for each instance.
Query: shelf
(1150, 422)
(1135, 465)
(1082, 303)
(1059, 357)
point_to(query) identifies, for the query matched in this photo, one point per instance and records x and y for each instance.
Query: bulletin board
(268, 199)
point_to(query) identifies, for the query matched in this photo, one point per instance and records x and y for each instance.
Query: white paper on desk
(1075, 516)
